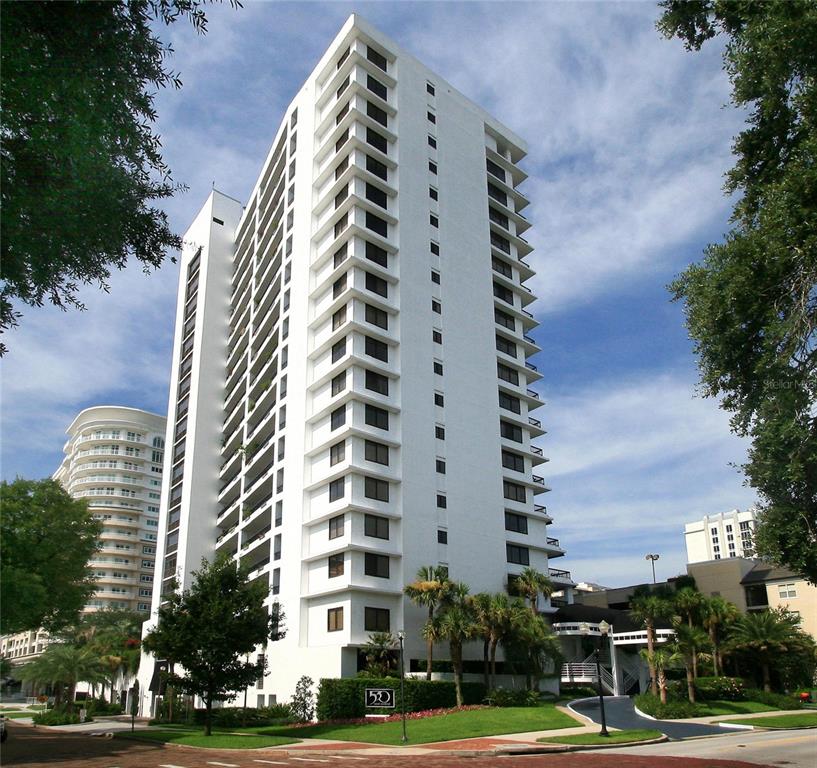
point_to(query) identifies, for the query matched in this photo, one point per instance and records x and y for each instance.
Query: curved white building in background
(113, 458)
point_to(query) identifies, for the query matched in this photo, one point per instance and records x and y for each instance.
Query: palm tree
(647, 609)
(687, 645)
(718, 613)
(429, 590)
(531, 639)
(660, 659)
(457, 625)
(532, 583)
(765, 635)
(481, 605)
(379, 652)
(65, 665)
(689, 602)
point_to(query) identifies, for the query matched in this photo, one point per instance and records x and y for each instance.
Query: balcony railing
(536, 450)
(533, 393)
(557, 574)
(538, 480)
(540, 508)
(530, 366)
(553, 542)
(534, 422)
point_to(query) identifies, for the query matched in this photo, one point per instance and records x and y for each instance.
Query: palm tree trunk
(486, 665)
(690, 682)
(650, 665)
(767, 678)
(713, 637)
(662, 686)
(429, 646)
(494, 643)
(456, 661)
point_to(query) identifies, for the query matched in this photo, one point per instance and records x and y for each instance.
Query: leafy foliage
(81, 164)
(63, 666)
(721, 689)
(751, 305)
(504, 697)
(430, 590)
(58, 716)
(302, 705)
(46, 538)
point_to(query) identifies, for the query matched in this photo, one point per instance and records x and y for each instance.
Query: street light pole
(401, 636)
(653, 558)
(604, 628)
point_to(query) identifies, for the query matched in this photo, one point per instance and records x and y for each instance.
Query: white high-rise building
(350, 395)
(720, 536)
(114, 458)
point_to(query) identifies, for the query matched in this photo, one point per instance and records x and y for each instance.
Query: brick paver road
(37, 748)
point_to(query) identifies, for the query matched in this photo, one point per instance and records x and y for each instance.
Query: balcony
(559, 575)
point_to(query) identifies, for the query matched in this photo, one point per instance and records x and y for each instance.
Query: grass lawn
(15, 715)
(733, 707)
(615, 737)
(455, 725)
(804, 720)
(219, 739)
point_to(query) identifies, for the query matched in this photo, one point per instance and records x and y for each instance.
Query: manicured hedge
(720, 688)
(340, 698)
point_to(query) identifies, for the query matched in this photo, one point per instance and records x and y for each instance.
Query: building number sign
(380, 697)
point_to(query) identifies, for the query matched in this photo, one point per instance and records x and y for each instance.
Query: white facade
(716, 537)
(350, 396)
(114, 458)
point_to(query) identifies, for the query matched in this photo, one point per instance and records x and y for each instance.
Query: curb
(554, 747)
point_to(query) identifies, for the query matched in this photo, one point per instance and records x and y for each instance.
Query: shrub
(277, 711)
(302, 705)
(779, 700)
(720, 688)
(234, 717)
(101, 707)
(504, 697)
(571, 689)
(672, 710)
(58, 717)
(342, 698)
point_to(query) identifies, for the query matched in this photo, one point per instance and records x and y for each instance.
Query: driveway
(620, 713)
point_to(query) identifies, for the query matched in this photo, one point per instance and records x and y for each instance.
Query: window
(787, 590)
(438, 368)
(442, 501)
(338, 418)
(436, 337)
(376, 285)
(377, 168)
(339, 318)
(343, 86)
(335, 565)
(513, 461)
(377, 349)
(510, 431)
(376, 489)
(375, 139)
(503, 293)
(376, 565)
(440, 466)
(276, 548)
(338, 349)
(509, 403)
(505, 320)
(430, 89)
(495, 169)
(432, 118)
(276, 581)
(376, 195)
(376, 619)
(497, 194)
(439, 399)
(505, 346)
(336, 489)
(377, 417)
(498, 218)
(338, 385)
(442, 536)
(500, 242)
(433, 220)
(376, 224)
(337, 453)
(376, 382)
(439, 432)
(376, 254)
(377, 114)
(435, 276)
(432, 142)
(435, 248)
(376, 87)
(279, 513)
(336, 527)
(433, 194)
(507, 374)
(432, 166)
(514, 491)
(378, 59)
(339, 286)
(436, 307)
(377, 452)
(376, 527)
(377, 317)
(334, 620)
(516, 523)
(342, 195)
(517, 554)
(341, 255)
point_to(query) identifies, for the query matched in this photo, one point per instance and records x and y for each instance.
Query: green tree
(531, 640)
(63, 666)
(718, 614)
(689, 603)
(690, 646)
(532, 583)
(46, 538)
(210, 628)
(457, 624)
(751, 304)
(429, 591)
(379, 653)
(763, 637)
(81, 164)
(660, 659)
(646, 609)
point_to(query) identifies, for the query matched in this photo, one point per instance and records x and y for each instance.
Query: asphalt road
(620, 713)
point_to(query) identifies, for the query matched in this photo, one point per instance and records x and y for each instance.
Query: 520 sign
(380, 697)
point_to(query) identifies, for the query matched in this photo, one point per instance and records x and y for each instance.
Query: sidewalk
(719, 718)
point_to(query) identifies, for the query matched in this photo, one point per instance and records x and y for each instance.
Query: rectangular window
(376, 87)
(377, 317)
(276, 547)
(516, 523)
(378, 59)
(439, 432)
(341, 255)
(437, 337)
(335, 566)
(505, 346)
(343, 86)
(334, 620)
(509, 403)
(516, 554)
(514, 491)
(338, 385)
(432, 142)
(377, 452)
(513, 461)
(435, 276)
(442, 536)
(376, 619)
(442, 501)
(430, 89)
(438, 368)
(342, 195)
(495, 169)
(433, 220)
(377, 114)
(503, 293)
(337, 453)
(377, 285)
(376, 382)
(338, 417)
(497, 194)
(376, 140)
(505, 320)
(377, 417)
(436, 307)
(377, 168)
(339, 318)
(376, 254)
(338, 349)
(440, 466)
(510, 431)
(336, 527)
(376, 489)
(336, 489)
(276, 581)
(279, 513)
(432, 118)
(376, 565)
(339, 286)
(787, 590)
(376, 224)
(434, 248)
(433, 194)
(377, 349)
(507, 374)
(376, 195)
(376, 527)
(432, 166)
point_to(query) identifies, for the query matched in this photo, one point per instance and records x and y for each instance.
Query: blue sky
(629, 138)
